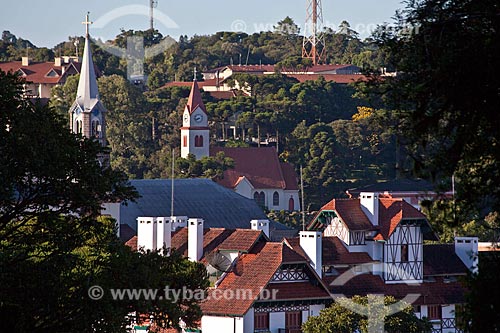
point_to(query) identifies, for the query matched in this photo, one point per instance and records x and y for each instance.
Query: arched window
(185, 141)
(276, 199)
(260, 198)
(198, 141)
(95, 129)
(291, 204)
(77, 126)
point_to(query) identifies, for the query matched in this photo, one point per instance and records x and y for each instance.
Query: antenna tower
(313, 46)
(152, 4)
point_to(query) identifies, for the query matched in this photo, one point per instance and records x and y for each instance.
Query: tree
(55, 245)
(340, 317)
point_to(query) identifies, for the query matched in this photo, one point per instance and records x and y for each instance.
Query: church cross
(195, 72)
(87, 24)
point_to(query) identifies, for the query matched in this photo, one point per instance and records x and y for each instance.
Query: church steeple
(87, 86)
(194, 131)
(87, 114)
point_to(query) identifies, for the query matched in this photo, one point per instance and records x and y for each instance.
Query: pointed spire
(87, 94)
(194, 99)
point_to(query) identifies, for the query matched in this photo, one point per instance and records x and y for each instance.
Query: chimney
(311, 242)
(163, 233)
(146, 233)
(178, 222)
(466, 249)
(58, 62)
(369, 205)
(195, 239)
(25, 61)
(260, 225)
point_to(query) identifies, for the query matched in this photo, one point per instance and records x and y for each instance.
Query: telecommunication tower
(152, 5)
(313, 46)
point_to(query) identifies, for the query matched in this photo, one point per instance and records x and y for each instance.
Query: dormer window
(52, 73)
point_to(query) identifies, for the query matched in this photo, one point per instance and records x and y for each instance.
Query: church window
(185, 141)
(276, 199)
(95, 128)
(260, 198)
(291, 204)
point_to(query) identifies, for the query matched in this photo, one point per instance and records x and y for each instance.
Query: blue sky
(48, 22)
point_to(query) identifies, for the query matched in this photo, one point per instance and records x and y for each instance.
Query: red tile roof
(260, 166)
(349, 211)
(194, 99)
(132, 243)
(441, 259)
(253, 273)
(338, 78)
(334, 252)
(218, 239)
(438, 292)
(391, 212)
(36, 72)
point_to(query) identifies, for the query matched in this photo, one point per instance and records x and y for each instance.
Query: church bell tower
(87, 114)
(195, 138)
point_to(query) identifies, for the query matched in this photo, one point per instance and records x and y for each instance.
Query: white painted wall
(466, 249)
(276, 321)
(195, 239)
(395, 238)
(311, 243)
(146, 233)
(370, 205)
(262, 225)
(248, 321)
(315, 309)
(244, 188)
(214, 324)
(163, 233)
(113, 209)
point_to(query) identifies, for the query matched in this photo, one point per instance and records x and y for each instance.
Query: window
(404, 253)
(96, 129)
(198, 141)
(276, 199)
(260, 198)
(293, 321)
(434, 312)
(261, 321)
(185, 141)
(291, 204)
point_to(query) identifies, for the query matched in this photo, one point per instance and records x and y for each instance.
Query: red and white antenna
(313, 46)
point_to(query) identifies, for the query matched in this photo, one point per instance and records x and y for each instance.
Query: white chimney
(178, 222)
(58, 62)
(466, 249)
(195, 239)
(311, 242)
(25, 61)
(163, 233)
(146, 233)
(369, 205)
(260, 225)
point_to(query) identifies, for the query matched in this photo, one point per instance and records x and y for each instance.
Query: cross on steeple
(87, 24)
(194, 73)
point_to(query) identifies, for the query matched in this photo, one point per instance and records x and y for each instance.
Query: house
(258, 174)
(41, 77)
(360, 246)
(378, 248)
(259, 285)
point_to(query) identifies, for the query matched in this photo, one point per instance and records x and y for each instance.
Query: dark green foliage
(53, 243)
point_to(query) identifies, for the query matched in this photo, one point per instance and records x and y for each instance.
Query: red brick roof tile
(349, 211)
(260, 166)
(338, 78)
(194, 99)
(392, 212)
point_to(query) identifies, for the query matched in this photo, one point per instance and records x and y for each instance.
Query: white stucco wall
(214, 324)
(276, 321)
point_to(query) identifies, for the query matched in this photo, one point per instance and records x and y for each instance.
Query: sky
(49, 22)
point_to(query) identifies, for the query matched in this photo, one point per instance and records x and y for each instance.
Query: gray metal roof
(194, 198)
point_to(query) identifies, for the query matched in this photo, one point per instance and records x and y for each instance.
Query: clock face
(198, 118)
(186, 118)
